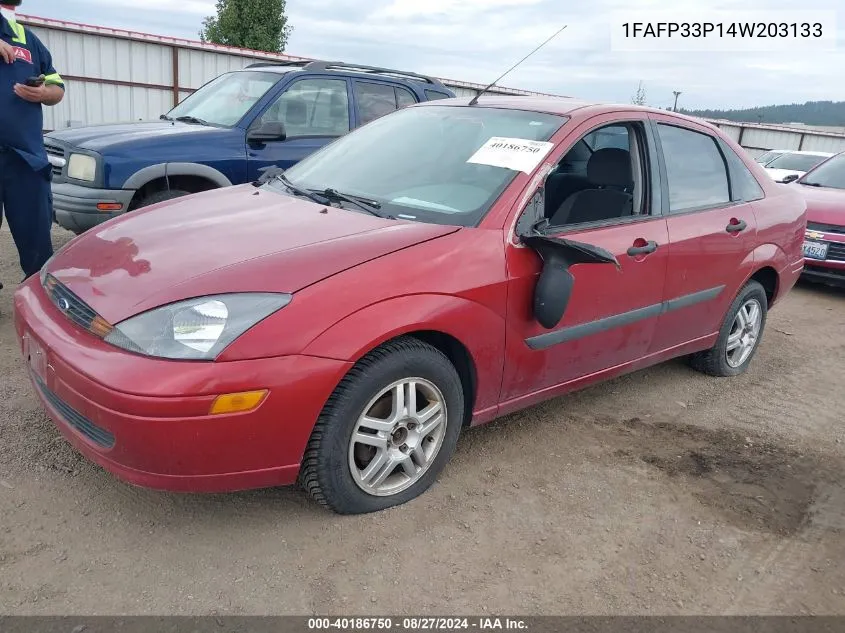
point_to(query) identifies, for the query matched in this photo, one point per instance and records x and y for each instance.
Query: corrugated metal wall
(759, 137)
(121, 76)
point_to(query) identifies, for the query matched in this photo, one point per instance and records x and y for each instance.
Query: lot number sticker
(518, 154)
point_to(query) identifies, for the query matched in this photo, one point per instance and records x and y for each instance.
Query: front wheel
(740, 335)
(387, 431)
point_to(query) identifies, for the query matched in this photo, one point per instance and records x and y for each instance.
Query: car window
(830, 174)
(404, 97)
(312, 107)
(744, 186)
(435, 164)
(226, 99)
(374, 100)
(798, 162)
(608, 185)
(695, 170)
(433, 95)
(610, 136)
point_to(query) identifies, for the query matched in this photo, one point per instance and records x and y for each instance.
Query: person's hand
(7, 53)
(32, 94)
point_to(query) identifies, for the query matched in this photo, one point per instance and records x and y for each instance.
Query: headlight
(82, 167)
(196, 329)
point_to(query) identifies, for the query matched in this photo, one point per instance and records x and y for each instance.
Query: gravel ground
(663, 492)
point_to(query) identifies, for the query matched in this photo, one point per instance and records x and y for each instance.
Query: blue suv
(266, 115)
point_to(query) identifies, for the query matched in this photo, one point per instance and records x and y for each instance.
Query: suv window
(433, 95)
(312, 107)
(226, 99)
(376, 100)
(695, 169)
(404, 97)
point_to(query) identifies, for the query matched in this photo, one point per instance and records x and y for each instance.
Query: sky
(477, 40)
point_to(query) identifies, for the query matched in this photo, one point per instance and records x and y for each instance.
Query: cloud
(476, 40)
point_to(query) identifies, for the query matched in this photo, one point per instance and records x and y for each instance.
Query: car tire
(722, 361)
(161, 196)
(334, 467)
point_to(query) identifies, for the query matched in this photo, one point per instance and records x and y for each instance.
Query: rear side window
(695, 169)
(744, 186)
(433, 95)
(376, 100)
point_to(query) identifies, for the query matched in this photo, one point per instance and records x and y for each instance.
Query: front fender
(161, 170)
(478, 328)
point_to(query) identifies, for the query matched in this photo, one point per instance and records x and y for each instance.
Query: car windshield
(433, 163)
(831, 174)
(225, 100)
(798, 162)
(765, 158)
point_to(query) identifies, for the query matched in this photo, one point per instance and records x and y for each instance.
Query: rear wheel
(387, 431)
(739, 336)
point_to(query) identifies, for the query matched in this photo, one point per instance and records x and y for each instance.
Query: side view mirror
(554, 287)
(790, 178)
(267, 132)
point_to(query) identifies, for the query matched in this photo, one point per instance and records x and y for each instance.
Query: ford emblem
(64, 304)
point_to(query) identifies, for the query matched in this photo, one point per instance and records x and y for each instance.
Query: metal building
(117, 75)
(760, 137)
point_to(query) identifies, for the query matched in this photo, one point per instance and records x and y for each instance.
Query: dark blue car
(265, 115)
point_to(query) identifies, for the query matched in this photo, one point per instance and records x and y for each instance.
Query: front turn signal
(237, 402)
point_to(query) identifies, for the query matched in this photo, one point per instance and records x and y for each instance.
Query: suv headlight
(82, 167)
(195, 329)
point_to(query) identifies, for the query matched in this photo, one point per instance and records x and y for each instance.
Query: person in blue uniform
(25, 171)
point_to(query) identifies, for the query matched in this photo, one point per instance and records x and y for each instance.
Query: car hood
(779, 174)
(100, 137)
(237, 239)
(825, 205)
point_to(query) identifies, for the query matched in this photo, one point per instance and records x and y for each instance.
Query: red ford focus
(341, 323)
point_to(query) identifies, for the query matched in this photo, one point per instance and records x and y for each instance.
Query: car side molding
(574, 332)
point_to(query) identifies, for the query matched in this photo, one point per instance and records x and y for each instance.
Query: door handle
(641, 247)
(735, 226)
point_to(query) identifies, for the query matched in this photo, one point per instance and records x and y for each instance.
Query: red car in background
(824, 246)
(341, 323)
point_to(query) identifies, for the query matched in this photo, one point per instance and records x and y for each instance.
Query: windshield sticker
(518, 154)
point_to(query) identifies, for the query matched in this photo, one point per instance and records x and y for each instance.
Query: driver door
(314, 112)
(610, 318)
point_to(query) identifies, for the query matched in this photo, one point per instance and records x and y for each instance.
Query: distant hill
(812, 113)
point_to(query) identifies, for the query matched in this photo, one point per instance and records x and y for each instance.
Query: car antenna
(558, 32)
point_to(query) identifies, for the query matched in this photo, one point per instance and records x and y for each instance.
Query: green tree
(260, 25)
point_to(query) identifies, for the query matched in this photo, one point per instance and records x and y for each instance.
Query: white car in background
(767, 157)
(792, 165)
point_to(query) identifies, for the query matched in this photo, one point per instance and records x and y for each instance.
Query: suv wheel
(161, 196)
(387, 431)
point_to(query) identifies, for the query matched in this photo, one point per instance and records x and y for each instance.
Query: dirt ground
(664, 492)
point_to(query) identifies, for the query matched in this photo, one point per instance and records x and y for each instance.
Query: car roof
(282, 67)
(564, 106)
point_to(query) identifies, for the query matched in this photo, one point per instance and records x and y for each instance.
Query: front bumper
(75, 206)
(830, 270)
(146, 420)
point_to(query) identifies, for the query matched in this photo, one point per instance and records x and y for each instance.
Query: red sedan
(341, 323)
(824, 246)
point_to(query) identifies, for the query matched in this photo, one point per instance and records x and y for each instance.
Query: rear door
(314, 110)
(612, 313)
(712, 232)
